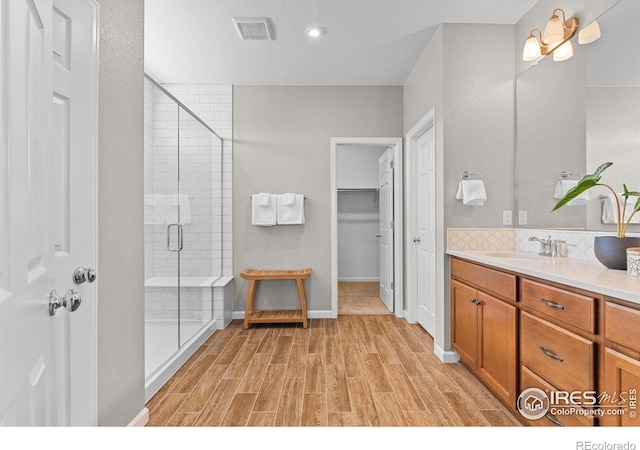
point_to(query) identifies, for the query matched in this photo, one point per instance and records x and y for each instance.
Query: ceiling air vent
(253, 28)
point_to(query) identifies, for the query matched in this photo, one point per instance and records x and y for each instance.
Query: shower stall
(183, 233)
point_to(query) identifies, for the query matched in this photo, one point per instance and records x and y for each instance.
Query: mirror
(573, 116)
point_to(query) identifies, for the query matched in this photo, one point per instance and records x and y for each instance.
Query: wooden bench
(251, 315)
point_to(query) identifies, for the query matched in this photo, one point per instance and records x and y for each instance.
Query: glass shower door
(161, 188)
(196, 221)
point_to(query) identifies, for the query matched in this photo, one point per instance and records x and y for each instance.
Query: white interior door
(48, 211)
(385, 237)
(425, 237)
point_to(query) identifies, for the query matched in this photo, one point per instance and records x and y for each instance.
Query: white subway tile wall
(179, 150)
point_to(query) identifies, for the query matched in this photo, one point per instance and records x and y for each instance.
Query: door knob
(417, 240)
(378, 235)
(71, 301)
(82, 274)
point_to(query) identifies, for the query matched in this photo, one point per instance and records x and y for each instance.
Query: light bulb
(314, 32)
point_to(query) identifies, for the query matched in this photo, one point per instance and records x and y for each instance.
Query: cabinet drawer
(563, 359)
(528, 379)
(622, 325)
(569, 307)
(489, 280)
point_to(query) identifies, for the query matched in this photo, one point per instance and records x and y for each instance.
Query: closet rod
(357, 190)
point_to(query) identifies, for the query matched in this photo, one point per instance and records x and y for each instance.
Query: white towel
(471, 192)
(264, 216)
(288, 199)
(563, 186)
(292, 214)
(264, 199)
(610, 212)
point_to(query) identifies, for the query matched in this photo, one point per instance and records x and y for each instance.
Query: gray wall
(120, 213)
(467, 74)
(282, 143)
(478, 119)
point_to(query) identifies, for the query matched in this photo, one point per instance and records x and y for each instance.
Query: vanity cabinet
(622, 362)
(484, 326)
(515, 332)
(558, 346)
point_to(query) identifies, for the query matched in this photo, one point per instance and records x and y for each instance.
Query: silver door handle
(179, 225)
(82, 274)
(417, 240)
(71, 301)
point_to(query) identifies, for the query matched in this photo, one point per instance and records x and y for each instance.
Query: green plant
(592, 180)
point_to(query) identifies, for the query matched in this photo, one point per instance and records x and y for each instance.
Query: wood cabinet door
(622, 379)
(497, 358)
(464, 322)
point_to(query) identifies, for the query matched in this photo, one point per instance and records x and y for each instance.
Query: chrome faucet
(547, 247)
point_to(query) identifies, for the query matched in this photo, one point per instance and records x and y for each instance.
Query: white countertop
(583, 274)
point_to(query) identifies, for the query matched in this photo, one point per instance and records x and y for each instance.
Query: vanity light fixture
(557, 32)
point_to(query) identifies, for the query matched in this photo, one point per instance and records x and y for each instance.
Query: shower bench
(251, 315)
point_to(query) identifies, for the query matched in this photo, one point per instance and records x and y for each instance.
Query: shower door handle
(179, 248)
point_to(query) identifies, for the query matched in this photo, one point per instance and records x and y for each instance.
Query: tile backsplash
(579, 243)
(481, 238)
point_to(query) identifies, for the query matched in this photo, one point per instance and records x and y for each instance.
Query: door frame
(398, 251)
(427, 122)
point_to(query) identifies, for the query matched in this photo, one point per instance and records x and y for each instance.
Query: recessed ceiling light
(314, 32)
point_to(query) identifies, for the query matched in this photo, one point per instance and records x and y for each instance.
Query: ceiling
(366, 42)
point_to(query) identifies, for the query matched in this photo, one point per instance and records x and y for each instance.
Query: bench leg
(250, 301)
(303, 302)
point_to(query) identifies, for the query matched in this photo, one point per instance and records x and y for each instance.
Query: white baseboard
(141, 419)
(449, 356)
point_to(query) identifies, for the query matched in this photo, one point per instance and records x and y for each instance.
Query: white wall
(358, 212)
(357, 166)
(358, 247)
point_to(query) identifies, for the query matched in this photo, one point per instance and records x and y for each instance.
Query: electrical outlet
(522, 217)
(507, 218)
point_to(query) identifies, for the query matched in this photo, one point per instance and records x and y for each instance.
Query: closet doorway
(366, 236)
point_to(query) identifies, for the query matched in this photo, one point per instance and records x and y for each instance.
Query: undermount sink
(519, 256)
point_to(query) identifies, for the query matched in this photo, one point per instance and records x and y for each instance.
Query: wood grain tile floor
(353, 371)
